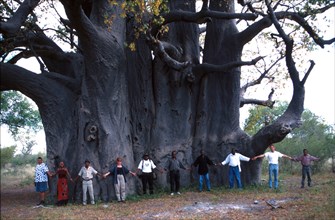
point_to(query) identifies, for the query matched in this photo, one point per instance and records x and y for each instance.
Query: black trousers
(147, 178)
(174, 180)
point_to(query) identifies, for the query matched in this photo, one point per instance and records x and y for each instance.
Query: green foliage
(313, 134)
(21, 159)
(17, 113)
(7, 154)
(146, 15)
(261, 115)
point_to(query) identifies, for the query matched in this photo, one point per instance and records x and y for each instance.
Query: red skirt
(62, 189)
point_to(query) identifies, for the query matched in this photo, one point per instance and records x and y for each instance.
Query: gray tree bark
(105, 101)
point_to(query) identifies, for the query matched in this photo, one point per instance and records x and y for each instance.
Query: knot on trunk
(92, 133)
(285, 129)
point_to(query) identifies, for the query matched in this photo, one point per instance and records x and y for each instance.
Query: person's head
(272, 148)
(61, 164)
(174, 154)
(305, 151)
(233, 151)
(202, 152)
(87, 163)
(146, 156)
(39, 160)
(119, 161)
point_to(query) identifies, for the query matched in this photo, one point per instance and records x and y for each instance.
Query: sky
(319, 97)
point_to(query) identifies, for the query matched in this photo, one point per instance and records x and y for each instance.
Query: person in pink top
(306, 161)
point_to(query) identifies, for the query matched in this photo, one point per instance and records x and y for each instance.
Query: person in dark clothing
(119, 172)
(173, 165)
(146, 166)
(203, 161)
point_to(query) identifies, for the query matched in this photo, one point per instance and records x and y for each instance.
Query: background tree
(164, 91)
(7, 154)
(313, 134)
(18, 114)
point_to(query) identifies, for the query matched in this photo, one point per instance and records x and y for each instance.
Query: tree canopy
(17, 113)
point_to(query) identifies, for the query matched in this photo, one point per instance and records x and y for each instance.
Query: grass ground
(316, 202)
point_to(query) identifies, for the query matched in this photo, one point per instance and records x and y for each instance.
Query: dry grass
(317, 202)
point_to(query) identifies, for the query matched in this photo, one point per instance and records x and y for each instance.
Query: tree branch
(203, 16)
(259, 79)
(303, 81)
(254, 29)
(14, 24)
(210, 68)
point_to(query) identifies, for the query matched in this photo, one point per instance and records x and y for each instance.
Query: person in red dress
(62, 184)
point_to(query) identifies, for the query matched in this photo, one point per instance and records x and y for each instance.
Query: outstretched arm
(259, 156)
(285, 156)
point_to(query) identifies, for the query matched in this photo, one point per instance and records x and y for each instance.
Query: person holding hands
(119, 172)
(306, 161)
(233, 159)
(273, 159)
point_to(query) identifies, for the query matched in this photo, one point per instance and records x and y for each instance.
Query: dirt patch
(221, 203)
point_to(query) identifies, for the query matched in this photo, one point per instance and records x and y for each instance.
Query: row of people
(173, 166)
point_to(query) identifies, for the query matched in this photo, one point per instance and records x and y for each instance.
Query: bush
(7, 155)
(21, 159)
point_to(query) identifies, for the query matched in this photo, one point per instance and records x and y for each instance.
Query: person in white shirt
(147, 166)
(233, 159)
(86, 173)
(41, 179)
(273, 157)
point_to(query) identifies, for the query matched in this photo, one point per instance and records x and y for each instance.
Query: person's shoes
(208, 190)
(178, 193)
(302, 187)
(42, 203)
(84, 203)
(172, 194)
(119, 201)
(92, 203)
(309, 185)
(123, 201)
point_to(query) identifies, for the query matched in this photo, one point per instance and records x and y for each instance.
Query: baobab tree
(156, 76)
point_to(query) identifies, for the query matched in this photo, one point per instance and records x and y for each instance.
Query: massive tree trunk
(105, 101)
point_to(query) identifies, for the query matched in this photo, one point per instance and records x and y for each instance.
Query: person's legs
(90, 191)
(303, 173)
(151, 183)
(275, 175)
(177, 181)
(238, 177)
(122, 187)
(208, 183)
(270, 175)
(308, 172)
(144, 183)
(231, 177)
(172, 181)
(41, 188)
(84, 192)
(201, 179)
(117, 188)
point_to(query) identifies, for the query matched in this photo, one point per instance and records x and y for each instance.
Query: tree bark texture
(105, 101)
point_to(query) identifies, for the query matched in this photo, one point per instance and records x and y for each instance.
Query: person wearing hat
(147, 166)
(86, 173)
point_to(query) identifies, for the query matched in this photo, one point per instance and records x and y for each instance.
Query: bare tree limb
(303, 81)
(204, 16)
(211, 68)
(14, 24)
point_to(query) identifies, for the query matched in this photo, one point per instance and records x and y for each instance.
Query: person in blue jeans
(202, 162)
(233, 159)
(273, 158)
